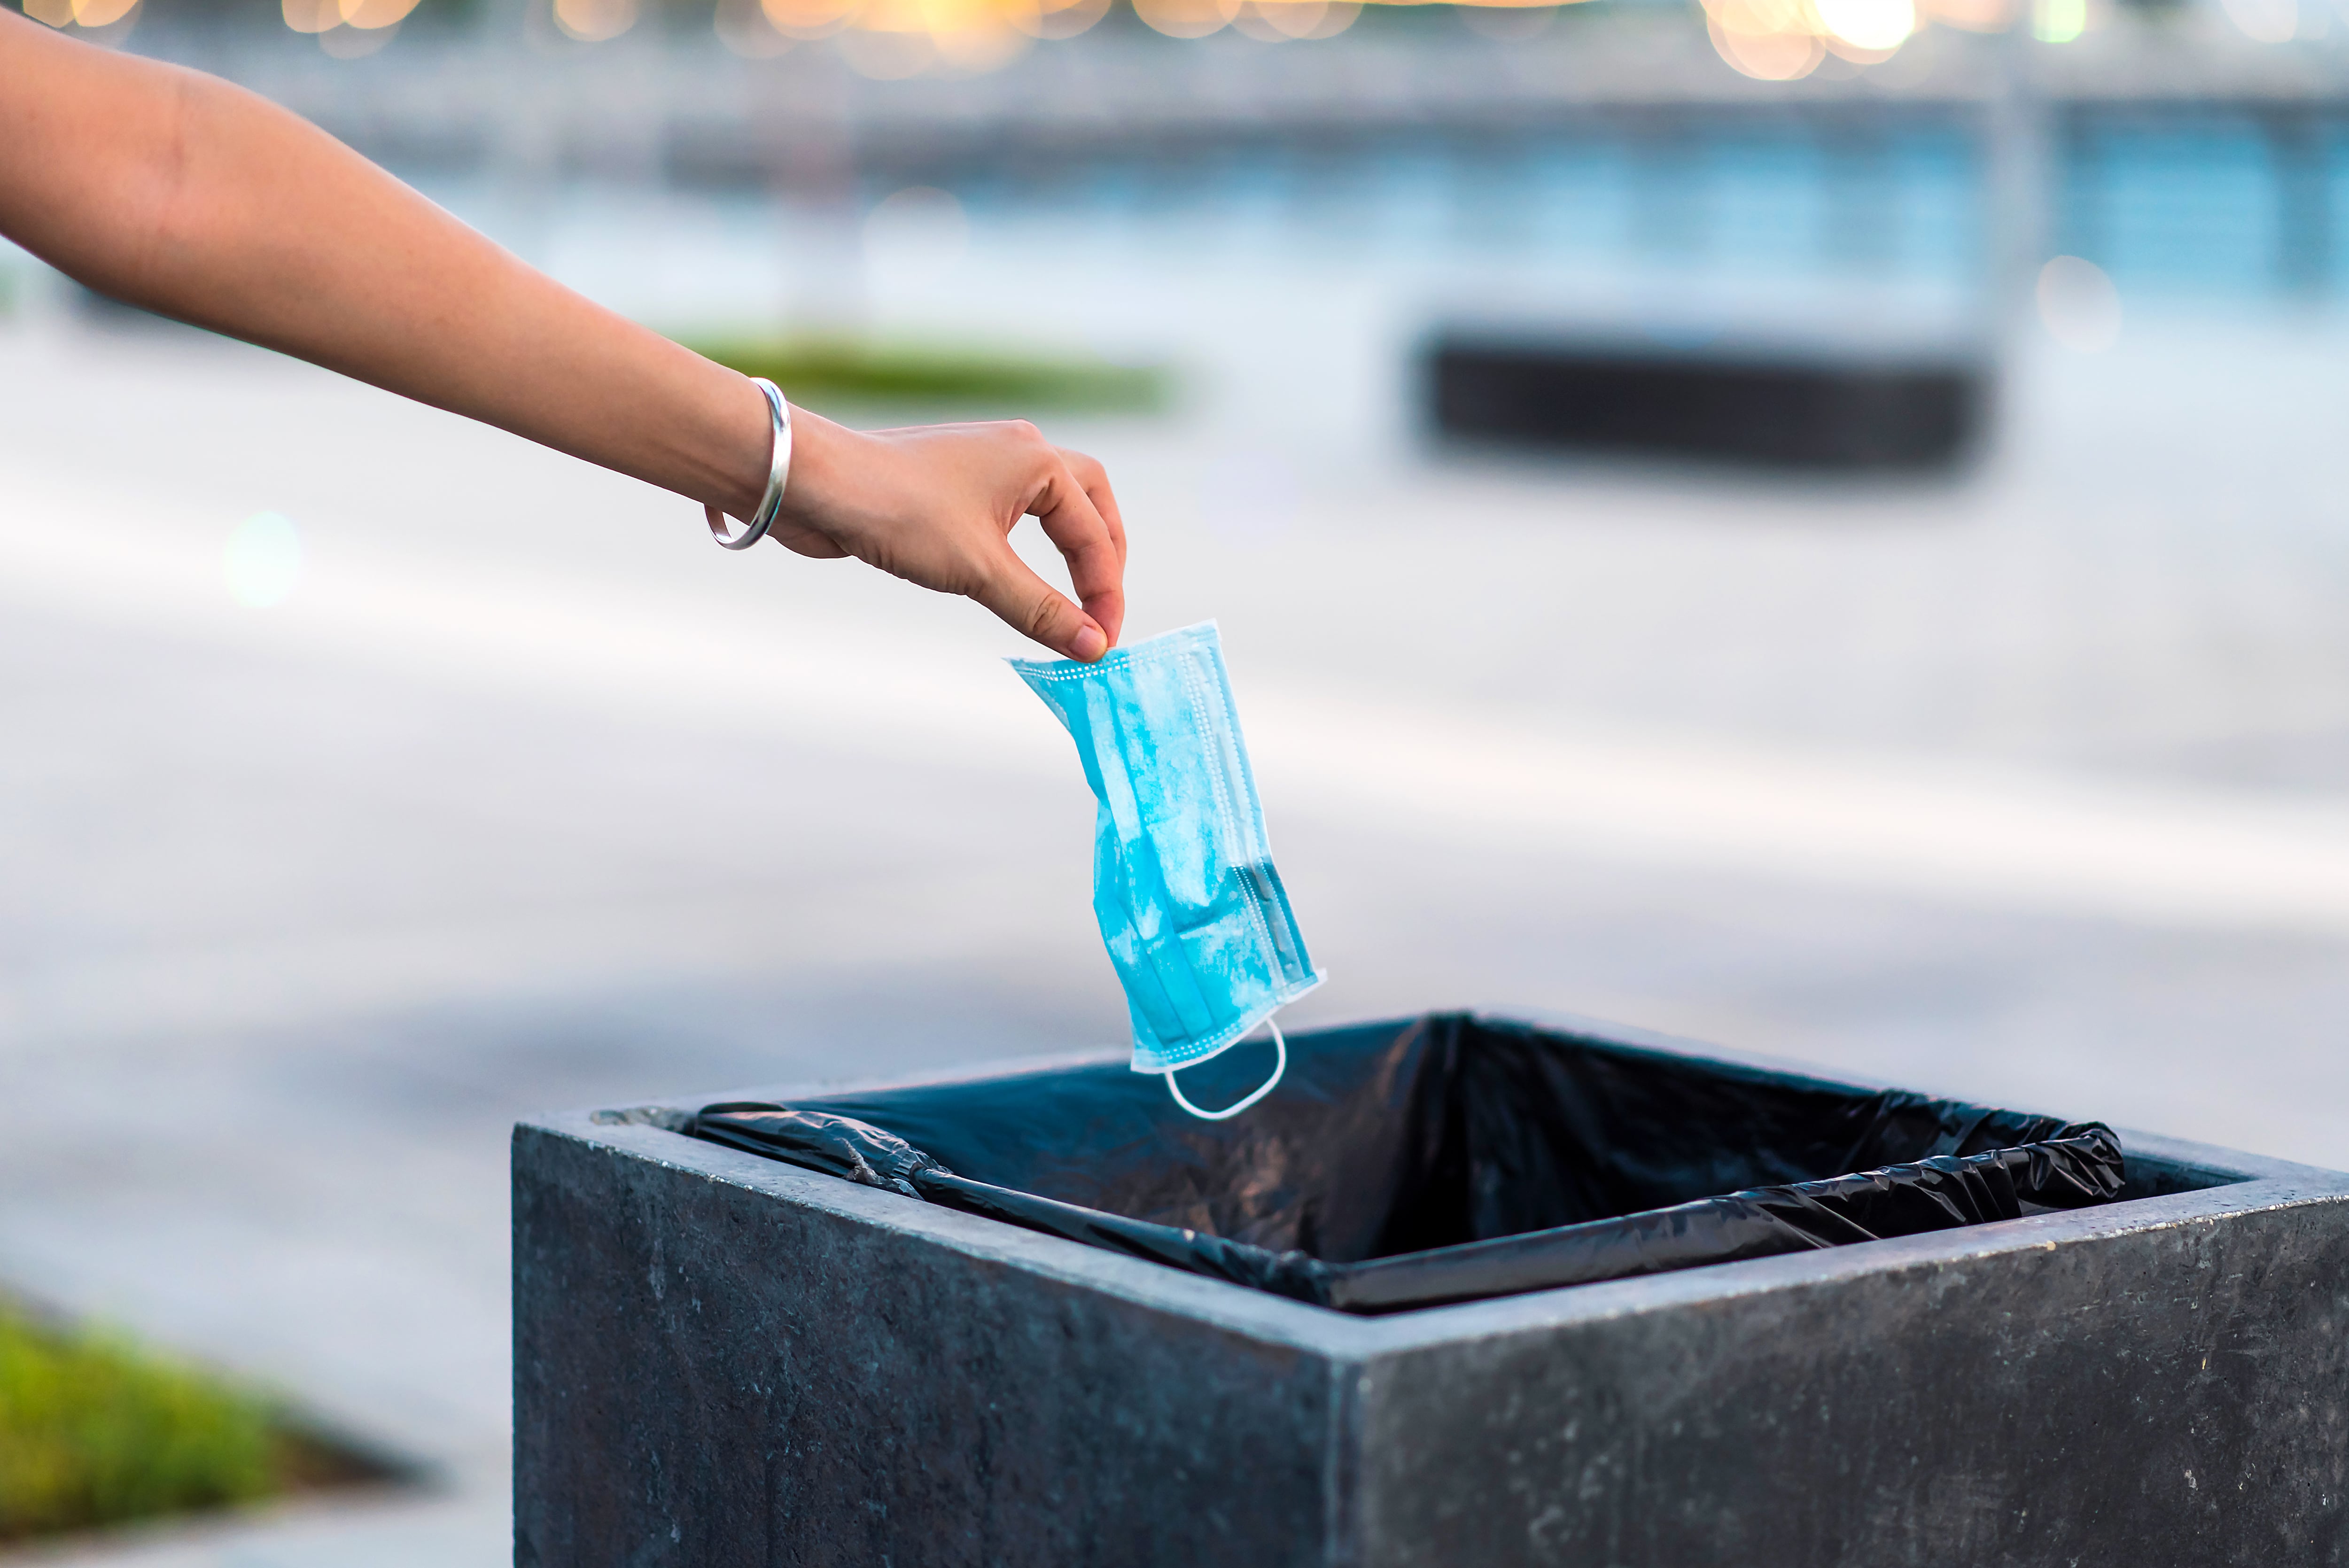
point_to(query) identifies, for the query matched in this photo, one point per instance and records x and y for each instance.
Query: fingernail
(1090, 644)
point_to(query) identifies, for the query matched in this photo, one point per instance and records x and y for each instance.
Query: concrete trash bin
(722, 1358)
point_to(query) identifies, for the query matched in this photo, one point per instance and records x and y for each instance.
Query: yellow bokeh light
(1771, 40)
(1278, 21)
(1770, 56)
(888, 57)
(1971, 15)
(354, 43)
(311, 15)
(810, 18)
(593, 21)
(891, 41)
(900, 16)
(1187, 18)
(1061, 18)
(83, 13)
(369, 14)
(1873, 26)
(1762, 18)
(976, 36)
(742, 26)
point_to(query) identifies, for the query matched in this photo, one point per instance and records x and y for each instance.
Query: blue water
(2206, 205)
(1757, 203)
(2199, 204)
(1299, 273)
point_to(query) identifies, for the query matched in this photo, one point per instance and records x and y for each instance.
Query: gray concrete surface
(2158, 1380)
(2032, 788)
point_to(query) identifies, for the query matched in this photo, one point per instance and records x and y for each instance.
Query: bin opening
(1446, 1159)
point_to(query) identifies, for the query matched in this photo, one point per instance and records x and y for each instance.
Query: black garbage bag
(1445, 1159)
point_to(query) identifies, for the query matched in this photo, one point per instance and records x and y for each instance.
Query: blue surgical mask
(1191, 910)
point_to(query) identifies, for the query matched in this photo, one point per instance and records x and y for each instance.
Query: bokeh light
(890, 42)
(1782, 40)
(1771, 40)
(311, 15)
(2078, 305)
(1187, 18)
(91, 14)
(593, 21)
(1874, 27)
(1280, 21)
(371, 22)
(347, 43)
(263, 564)
(1971, 15)
(742, 26)
(809, 18)
(2058, 21)
(894, 39)
(1058, 19)
(976, 36)
(369, 15)
(2264, 21)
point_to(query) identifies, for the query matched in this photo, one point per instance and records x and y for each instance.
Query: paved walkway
(2035, 790)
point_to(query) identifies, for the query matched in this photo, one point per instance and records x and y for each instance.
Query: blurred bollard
(1773, 406)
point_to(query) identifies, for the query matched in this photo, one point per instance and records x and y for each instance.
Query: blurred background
(1812, 524)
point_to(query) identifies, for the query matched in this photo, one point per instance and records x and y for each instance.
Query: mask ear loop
(1262, 1089)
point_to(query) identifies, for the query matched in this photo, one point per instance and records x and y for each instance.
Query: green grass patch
(1004, 384)
(95, 1431)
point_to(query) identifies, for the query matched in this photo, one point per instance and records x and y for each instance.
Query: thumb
(1032, 607)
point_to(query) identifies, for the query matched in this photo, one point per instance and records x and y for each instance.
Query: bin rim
(2237, 1181)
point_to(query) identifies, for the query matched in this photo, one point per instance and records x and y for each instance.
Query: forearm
(222, 209)
(179, 192)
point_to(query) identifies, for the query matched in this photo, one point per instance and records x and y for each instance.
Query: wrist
(820, 451)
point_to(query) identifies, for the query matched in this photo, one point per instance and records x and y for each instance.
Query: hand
(198, 199)
(936, 504)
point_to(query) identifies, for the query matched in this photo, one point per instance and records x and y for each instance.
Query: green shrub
(1003, 385)
(95, 1431)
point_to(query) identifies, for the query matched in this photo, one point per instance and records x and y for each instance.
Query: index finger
(1095, 479)
(1096, 554)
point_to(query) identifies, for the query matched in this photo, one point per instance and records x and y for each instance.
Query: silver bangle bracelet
(779, 470)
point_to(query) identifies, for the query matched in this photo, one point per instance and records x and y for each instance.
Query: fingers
(935, 505)
(1032, 607)
(1094, 547)
(1095, 479)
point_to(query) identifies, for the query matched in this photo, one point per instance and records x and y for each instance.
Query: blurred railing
(2172, 144)
(671, 100)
